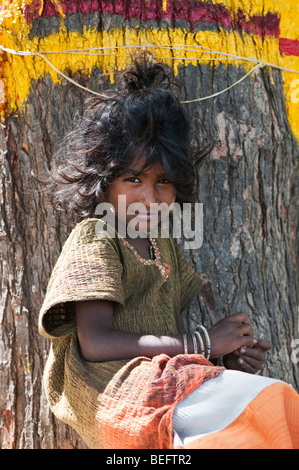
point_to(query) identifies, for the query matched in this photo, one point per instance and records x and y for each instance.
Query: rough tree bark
(247, 187)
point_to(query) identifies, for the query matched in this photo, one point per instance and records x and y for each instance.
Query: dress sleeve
(88, 268)
(193, 283)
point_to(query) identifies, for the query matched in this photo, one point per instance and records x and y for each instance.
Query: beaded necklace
(163, 267)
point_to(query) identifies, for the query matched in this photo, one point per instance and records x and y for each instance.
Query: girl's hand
(248, 359)
(230, 334)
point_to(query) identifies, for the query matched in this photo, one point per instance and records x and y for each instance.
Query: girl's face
(149, 189)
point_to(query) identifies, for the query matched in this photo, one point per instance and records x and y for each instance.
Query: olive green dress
(119, 404)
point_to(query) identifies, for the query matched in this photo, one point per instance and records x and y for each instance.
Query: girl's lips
(147, 216)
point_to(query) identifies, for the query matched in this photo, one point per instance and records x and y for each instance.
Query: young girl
(121, 370)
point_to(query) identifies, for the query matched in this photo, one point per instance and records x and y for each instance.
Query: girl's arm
(100, 342)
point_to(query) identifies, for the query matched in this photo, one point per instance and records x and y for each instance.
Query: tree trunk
(248, 184)
(249, 195)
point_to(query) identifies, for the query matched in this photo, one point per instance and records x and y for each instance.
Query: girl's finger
(263, 344)
(250, 365)
(246, 329)
(247, 341)
(252, 353)
(240, 317)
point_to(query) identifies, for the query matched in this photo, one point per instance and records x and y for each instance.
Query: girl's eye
(164, 181)
(133, 179)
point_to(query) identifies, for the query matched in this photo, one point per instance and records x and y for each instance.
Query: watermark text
(136, 220)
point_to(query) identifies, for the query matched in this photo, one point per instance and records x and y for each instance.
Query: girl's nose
(149, 196)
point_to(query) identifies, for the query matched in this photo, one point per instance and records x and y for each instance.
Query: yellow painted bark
(18, 72)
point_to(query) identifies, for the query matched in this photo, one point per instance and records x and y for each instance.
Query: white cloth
(215, 404)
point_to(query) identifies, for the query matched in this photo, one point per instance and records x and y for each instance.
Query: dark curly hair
(140, 117)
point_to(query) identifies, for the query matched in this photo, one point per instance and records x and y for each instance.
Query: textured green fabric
(93, 267)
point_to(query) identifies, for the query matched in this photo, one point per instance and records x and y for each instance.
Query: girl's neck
(141, 245)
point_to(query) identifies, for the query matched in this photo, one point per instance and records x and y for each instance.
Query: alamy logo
(135, 220)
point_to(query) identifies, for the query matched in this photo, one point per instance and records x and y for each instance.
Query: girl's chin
(137, 226)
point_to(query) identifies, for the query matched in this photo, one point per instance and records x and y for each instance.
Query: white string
(261, 64)
(70, 79)
(180, 47)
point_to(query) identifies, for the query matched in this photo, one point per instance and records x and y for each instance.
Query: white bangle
(202, 347)
(194, 344)
(185, 343)
(207, 339)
